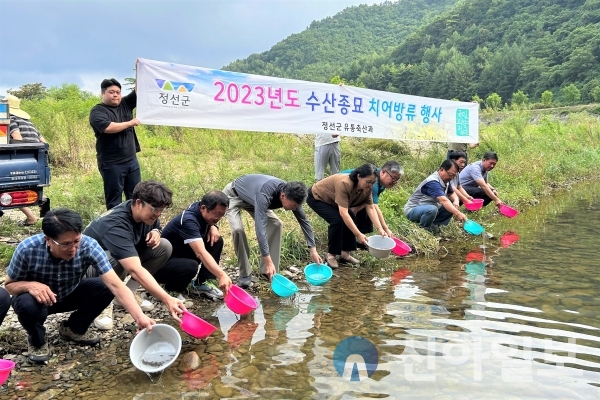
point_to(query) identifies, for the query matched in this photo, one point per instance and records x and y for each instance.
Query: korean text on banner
(181, 95)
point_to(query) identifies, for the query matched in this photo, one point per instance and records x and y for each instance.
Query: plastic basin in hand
(473, 227)
(5, 367)
(475, 205)
(317, 274)
(155, 351)
(380, 246)
(196, 326)
(508, 211)
(239, 301)
(401, 248)
(282, 286)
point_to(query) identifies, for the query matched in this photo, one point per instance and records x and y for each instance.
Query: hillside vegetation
(317, 53)
(477, 47)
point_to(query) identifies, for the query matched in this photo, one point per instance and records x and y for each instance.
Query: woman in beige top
(337, 199)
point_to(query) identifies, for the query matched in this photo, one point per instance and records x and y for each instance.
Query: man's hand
(498, 203)
(146, 323)
(42, 293)
(134, 122)
(175, 307)
(153, 239)
(270, 269)
(213, 235)
(314, 256)
(461, 217)
(225, 283)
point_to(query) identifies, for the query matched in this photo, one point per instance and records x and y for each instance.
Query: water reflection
(516, 317)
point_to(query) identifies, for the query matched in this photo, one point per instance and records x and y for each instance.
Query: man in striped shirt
(21, 128)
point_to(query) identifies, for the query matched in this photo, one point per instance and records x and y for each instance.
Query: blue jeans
(429, 215)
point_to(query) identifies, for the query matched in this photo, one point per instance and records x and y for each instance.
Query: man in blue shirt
(431, 203)
(196, 241)
(46, 276)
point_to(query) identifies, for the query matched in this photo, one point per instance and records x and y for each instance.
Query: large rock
(189, 362)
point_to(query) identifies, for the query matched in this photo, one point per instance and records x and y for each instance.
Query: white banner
(181, 95)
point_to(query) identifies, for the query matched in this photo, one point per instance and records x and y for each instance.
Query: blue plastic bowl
(282, 286)
(473, 227)
(318, 274)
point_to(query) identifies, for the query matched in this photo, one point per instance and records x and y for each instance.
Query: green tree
(571, 94)
(493, 101)
(595, 93)
(547, 98)
(519, 98)
(29, 91)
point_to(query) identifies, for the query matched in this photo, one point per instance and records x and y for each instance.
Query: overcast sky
(84, 41)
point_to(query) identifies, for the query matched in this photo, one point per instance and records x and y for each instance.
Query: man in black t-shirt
(196, 241)
(116, 142)
(130, 234)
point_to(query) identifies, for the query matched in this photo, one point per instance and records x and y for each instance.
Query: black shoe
(244, 281)
(38, 354)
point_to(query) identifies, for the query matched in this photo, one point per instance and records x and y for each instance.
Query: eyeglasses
(67, 245)
(395, 179)
(369, 183)
(155, 210)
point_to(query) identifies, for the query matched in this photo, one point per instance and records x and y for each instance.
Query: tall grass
(534, 156)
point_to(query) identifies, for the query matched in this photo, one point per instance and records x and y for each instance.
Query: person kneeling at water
(431, 205)
(337, 199)
(196, 241)
(46, 276)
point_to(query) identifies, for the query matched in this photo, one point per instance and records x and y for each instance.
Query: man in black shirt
(116, 142)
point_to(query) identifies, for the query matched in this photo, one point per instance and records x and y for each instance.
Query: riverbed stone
(189, 362)
(571, 302)
(49, 394)
(222, 390)
(215, 348)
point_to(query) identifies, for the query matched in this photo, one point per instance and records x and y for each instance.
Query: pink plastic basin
(5, 367)
(239, 301)
(196, 326)
(508, 211)
(509, 238)
(475, 205)
(401, 248)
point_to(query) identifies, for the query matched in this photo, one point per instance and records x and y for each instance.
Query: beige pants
(240, 241)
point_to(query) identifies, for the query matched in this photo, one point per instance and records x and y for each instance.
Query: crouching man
(45, 276)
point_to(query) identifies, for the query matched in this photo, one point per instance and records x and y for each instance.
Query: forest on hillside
(524, 51)
(317, 53)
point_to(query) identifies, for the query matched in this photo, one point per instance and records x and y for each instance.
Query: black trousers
(178, 271)
(4, 303)
(479, 194)
(340, 237)
(363, 222)
(119, 179)
(88, 300)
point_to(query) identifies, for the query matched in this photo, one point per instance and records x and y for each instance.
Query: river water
(516, 319)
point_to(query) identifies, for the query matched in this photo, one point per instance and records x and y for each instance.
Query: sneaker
(207, 289)
(38, 354)
(87, 338)
(104, 321)
(145, 305)
(244, 281)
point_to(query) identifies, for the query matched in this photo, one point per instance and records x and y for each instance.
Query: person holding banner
(337, 199)
(431, 205)
(327, 151)
(116, 142)
(259, 195)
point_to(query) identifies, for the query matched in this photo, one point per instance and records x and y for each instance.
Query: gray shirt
(262, 192)
(471, 173)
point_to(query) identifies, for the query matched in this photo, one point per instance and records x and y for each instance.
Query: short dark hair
(490, 155)
(448, 164)
(295, 191)
(214, 198)
(367, 169)
(456, 154)
(393, 166)
(61, 220)
(106, 83)
(154, 193)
